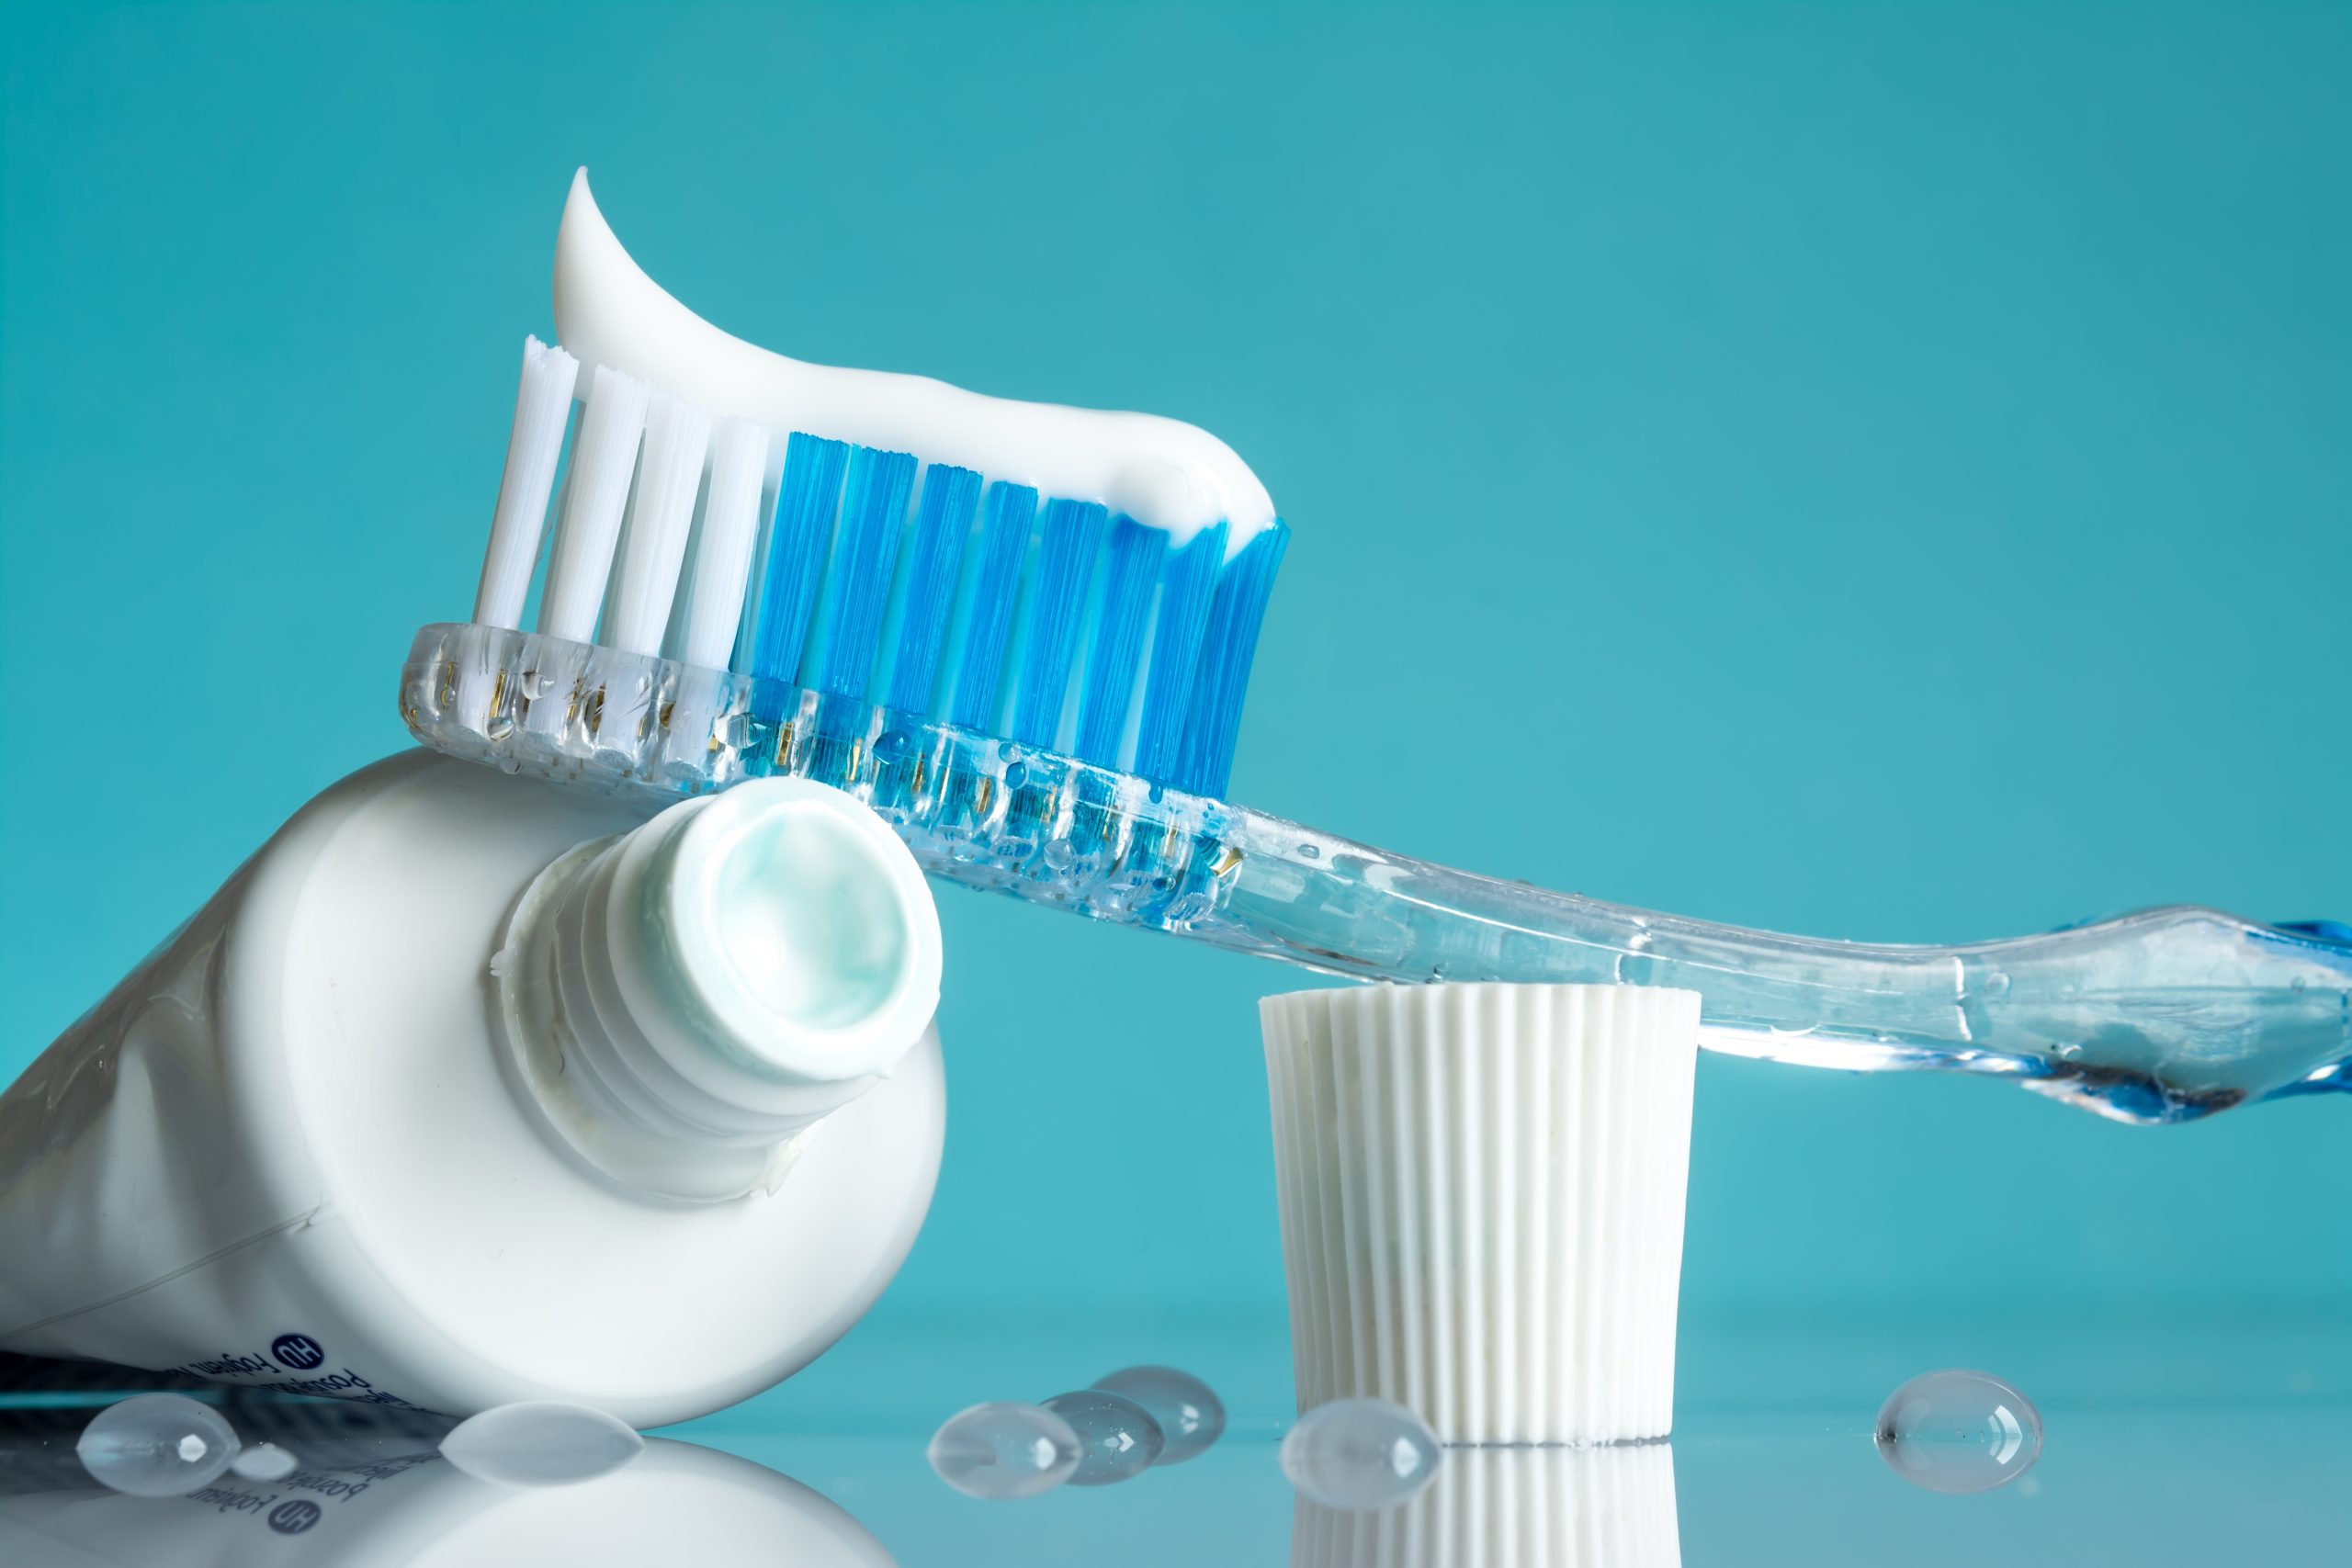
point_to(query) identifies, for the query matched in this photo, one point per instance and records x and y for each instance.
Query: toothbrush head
(879, 580)
(1074, 581)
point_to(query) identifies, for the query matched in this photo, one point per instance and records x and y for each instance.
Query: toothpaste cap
(1482, 1193)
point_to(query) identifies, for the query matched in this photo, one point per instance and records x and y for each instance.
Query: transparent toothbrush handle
(2162, 1016)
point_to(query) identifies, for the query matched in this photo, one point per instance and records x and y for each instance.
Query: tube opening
(807, 916)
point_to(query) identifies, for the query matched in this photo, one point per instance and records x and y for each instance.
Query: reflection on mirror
(369, 1486)
(1532, 1507)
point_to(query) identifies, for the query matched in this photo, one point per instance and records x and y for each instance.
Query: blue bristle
(1004, 543)
(934, 556)
(806, 500)
(1235, 616)
(1187, 585)
(866, 556)
(1157, 644)
(1069, 540)
(1129, 573)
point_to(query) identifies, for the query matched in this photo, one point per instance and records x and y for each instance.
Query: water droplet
(263, 1461)
(1958, 1431)
(1016, 775)
(1359, 1454)
(1189, 1415)
(542, 1442)
(1116, 1437)
(499, 727)
(1310, 851)
(157, 1445)
(1004, 1449)
(735, 731)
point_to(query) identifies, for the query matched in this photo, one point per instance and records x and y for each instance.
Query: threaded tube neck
(684, 999)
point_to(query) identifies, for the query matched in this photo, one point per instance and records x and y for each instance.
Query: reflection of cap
(686, 997)
(1482, 1192)
(1536, 1507)
(370, 1491)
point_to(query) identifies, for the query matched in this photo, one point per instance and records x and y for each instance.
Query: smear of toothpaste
(1160, 471)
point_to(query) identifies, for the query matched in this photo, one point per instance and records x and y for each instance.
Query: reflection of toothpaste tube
(360, 1498)
(466, 1090)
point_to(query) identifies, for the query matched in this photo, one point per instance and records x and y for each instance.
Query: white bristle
(602, 459)
(676, 437)
(542, 409)
(730, 522)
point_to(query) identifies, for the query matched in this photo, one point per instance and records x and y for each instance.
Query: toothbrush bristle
(604, 457)
(730, 527)
(1229, 644)
(1068, 541)
(808, 496)
(1187, 586)
(645, 582)
(1123, 620)
(865, 558)
(1046, 620)
(934, 561)
(542, 411)
(1009, 514)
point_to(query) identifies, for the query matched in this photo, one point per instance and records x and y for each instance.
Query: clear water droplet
(263, 1461)
(1191, 1416)
(1117, 1439)
(542, 1442)
(1310, 851)
(157, 1445)
(1359, 1454)
(499, 727)
(1004, 1449)
(1958, 1431)
(1016, 775)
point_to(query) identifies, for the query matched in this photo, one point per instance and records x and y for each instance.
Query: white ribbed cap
(1482, 1192)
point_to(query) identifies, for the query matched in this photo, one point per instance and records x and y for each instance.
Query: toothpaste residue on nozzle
(1160, 471)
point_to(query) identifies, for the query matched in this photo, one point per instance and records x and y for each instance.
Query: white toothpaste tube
(467, 1090)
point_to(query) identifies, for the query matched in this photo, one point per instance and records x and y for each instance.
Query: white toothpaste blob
(1160, 471)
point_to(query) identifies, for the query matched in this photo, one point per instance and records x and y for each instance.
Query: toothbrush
(1023, 635)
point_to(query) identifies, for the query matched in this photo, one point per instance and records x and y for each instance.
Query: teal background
(1866, 472)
